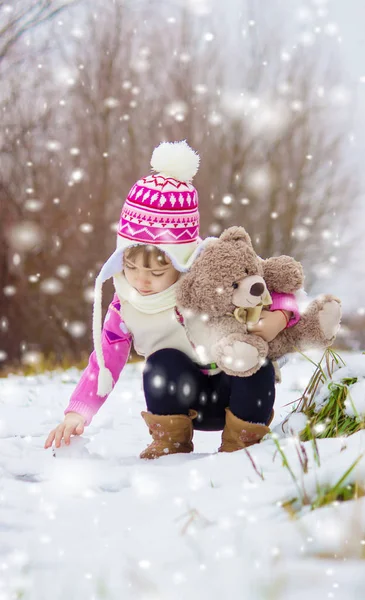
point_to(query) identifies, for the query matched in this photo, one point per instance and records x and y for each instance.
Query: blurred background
(269, 93)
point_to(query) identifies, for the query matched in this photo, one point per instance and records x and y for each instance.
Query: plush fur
(229, 274)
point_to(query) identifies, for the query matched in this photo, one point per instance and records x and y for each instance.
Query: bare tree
(135, 74)
(22, 16)
(25, 117)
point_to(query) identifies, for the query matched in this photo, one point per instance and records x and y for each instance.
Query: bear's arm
(204, 333)
(283, 274)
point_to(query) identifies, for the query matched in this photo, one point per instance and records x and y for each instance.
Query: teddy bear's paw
(240, 356)
(329, 318)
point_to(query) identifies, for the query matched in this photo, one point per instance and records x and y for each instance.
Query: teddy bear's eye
(246, 271)
(235, 285)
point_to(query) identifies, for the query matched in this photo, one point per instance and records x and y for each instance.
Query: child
(158, 241)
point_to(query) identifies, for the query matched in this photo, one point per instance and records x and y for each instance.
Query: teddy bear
(223, 293)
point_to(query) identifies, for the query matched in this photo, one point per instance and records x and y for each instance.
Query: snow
(92, 521)
(355, 404)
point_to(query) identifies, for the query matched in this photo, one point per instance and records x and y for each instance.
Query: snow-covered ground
(91, 521)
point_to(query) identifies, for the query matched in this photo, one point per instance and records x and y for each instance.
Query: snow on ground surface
(95, 522)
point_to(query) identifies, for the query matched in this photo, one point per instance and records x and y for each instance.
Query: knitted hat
(160, 210)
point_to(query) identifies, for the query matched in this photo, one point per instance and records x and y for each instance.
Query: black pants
(173, 384)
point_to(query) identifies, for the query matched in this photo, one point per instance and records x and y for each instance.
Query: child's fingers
(59, 433)
(72, 429)
(67, 433)
(50, 439)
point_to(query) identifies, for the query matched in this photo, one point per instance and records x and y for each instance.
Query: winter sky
(350, 18)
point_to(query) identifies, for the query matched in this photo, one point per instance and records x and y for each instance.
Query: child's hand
(270, 324)
(73, 424)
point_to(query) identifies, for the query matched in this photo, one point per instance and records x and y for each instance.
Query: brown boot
(238, 434)
(171, 434)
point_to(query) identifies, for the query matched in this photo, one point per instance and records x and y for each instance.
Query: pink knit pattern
(160, 210)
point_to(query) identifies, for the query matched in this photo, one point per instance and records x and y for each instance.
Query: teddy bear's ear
(232, 234)
(283, 274)
(184, 290)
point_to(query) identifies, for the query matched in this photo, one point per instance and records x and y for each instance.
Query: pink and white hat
(160, 210)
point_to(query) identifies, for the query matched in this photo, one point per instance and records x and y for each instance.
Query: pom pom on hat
(176, 160)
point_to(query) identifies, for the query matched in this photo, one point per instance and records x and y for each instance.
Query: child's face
(151, 280)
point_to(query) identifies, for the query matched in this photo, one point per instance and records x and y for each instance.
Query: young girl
(157, 242)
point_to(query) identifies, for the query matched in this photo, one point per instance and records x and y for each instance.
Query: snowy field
(91, 521)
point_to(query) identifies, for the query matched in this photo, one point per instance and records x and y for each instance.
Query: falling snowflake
(185, 58)
(300, 233)
(111, 102)
(215, 228)
(259, 179)
(214, 118)
(51, 286)
(331, 29)
(200, 89)
(77, 329)
(89, 294)
(271, 119)
(63, 271)
(4, 324)
(86, 228)
(66, 76)
(53, 146)
(141, 65)
(25, 236)
(158, 381)
(178, 110)
(33, 205)
(77, 175)
(77, 33)
(9, 290)
(326, 234)
(221, 212)
(31, 358)
(234, 105)
(285, 56)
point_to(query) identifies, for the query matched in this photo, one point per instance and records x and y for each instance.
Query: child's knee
(166, 356)
(252, 398)
(170, 387)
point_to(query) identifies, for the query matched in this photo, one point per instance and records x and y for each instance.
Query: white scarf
(151, 304)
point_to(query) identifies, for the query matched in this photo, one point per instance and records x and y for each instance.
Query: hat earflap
(105, 378)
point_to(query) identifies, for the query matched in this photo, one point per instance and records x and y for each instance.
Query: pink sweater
(116, 343)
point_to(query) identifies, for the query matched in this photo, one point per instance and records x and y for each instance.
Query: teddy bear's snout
(250, 291)
(257, 289)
